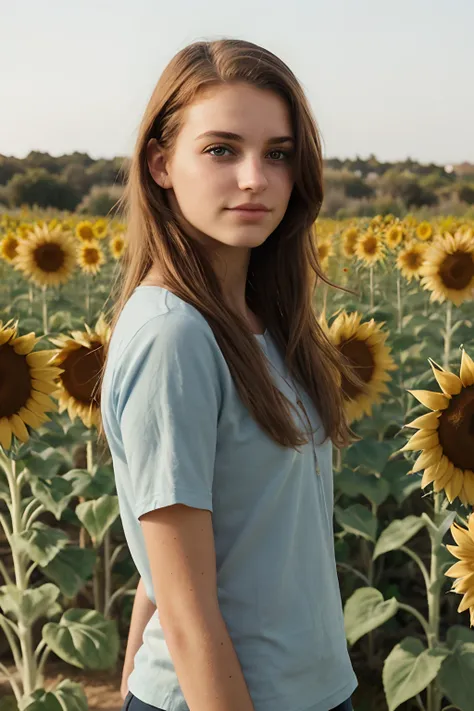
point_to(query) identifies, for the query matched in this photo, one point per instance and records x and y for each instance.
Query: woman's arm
(142, 611)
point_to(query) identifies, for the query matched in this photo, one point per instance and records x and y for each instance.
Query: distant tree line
(353, 187)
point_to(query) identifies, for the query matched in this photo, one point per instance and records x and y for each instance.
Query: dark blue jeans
(131, 703)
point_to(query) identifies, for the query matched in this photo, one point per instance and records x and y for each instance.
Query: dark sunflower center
(457, 270)
(10, 248)
(456, 429)
(81, 373)
(370, 245)
(15, 381)
(91, 256)
(413, 260)
(49, 257)
(361, 359)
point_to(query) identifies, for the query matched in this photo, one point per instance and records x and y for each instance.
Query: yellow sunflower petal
(458, 570)
(434, 401)
(442, 479)
(449, 383)
(430, 421)
(18, 428)
(427, 459)
(454, 485)
(469, 487)
(43, 399)
(467, 370)
(39, 359)
(25, 344)
(423, 439)
(467, 601)
(5, 432)
(43, 386)
(29, 417)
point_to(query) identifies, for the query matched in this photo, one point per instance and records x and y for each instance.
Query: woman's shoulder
(157, 316)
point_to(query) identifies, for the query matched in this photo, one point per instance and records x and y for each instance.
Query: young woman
(221, 397)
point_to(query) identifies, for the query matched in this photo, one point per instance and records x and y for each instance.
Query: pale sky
(393, 78)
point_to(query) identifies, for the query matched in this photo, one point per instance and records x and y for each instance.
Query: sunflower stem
(88, 302)
(419, 617)
(434, 602)
(448, 333)
(28, 667)
(107, 570)
(30, 299)
(399, 304)
(371, 284)
(420, 564)
(45, 311)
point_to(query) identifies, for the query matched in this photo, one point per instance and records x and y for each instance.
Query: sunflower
(446, 437)
(349, 240)
(85, 231)
(424, 231)
(100, 228)
(376, 222)
(363, 344)
(463, 570)
(47, 257)
(394, 236)
(448, 271)
(90, 257)
(325, 250)
(24, 229)
(8, 247)
(27, 379)
(369, 248)
(117, 246)
(410, 260)
(81, 357)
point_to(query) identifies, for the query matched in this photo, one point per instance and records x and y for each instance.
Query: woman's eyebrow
(235, 137)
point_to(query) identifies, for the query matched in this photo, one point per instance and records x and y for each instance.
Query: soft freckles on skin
(211, 174)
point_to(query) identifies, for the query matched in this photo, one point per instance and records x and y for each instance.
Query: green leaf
(54, 493)
(401, 484)
(30, 605)
(84, 638)
(457, 672)
(408, 669)
(98, 515)
(370, 453)
(366, 610)
(353, 483)
(71, 568)
(398, 533)
(359, 520)
(44, 464)
(41, 543)
(102, 482)
(67, 695)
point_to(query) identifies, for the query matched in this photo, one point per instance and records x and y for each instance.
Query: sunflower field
(404, 491)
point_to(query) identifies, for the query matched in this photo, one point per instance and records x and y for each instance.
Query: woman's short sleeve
(168, 402)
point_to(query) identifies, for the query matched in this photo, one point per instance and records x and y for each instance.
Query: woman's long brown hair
(282, 272)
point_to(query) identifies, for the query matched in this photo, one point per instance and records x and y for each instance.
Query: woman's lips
(249, 215)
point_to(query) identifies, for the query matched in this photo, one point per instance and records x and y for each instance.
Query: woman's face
(209, 175)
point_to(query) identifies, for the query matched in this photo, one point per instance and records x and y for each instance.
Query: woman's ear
(157, 164)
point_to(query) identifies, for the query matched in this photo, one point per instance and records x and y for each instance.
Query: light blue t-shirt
(179, 433)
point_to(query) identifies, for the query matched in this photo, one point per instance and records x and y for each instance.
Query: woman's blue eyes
(285, 154)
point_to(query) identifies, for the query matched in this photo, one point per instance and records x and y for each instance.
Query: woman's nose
(252, 174)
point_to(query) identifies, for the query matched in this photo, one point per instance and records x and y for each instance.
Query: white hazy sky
(393, 78)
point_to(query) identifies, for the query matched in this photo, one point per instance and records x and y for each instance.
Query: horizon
(390, 82)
